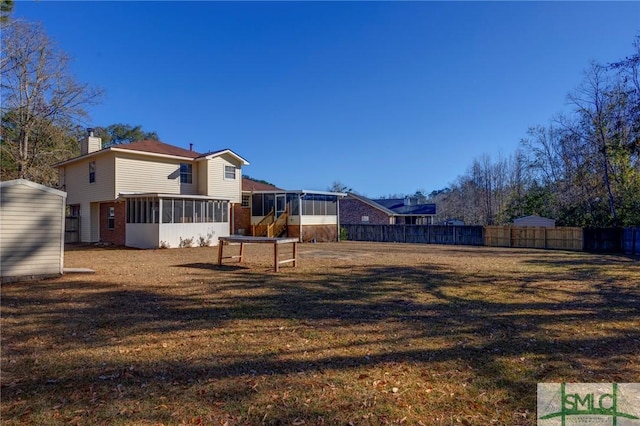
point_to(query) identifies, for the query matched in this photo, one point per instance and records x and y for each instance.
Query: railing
(280, 224)
(261, 229)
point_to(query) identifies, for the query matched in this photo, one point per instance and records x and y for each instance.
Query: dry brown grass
(359, 333)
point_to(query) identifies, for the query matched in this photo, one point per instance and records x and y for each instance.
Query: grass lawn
(358, 333)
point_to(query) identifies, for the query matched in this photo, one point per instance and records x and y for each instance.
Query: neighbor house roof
(371, 203)
(398, 206)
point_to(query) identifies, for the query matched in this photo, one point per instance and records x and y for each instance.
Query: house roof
(253, 185)
(157, 148)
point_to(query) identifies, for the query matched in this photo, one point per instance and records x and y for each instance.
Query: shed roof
(25, 182)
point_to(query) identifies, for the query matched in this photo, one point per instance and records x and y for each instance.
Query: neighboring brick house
(356, 209)
(150, 194)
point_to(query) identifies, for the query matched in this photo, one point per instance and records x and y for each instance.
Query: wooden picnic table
(242, 240)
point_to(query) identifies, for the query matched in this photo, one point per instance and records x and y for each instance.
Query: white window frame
(187, 174)
(227, 172)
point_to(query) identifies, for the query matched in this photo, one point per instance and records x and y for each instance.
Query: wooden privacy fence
(631, 241)
(602, 240)
(559, 238)
(421, 234)
(613, 240)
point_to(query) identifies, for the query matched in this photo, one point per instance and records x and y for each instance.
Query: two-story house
(149, 194)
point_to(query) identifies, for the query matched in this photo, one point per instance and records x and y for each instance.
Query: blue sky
(385, 97)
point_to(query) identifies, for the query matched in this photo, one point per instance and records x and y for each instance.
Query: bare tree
(338, 186)
(39, 98)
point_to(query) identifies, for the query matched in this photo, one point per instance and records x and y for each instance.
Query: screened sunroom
(170, 221)
(309, 215)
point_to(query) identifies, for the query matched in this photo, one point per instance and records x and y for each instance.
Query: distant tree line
(583, 169)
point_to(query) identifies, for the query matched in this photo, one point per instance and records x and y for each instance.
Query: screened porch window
(176, 210)
(311, 204)
(319, 205)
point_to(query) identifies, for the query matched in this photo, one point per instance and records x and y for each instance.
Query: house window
(111, 219)
(186, 173)
(92, 172)
(73, 210)
(229, 172)
(364, 219)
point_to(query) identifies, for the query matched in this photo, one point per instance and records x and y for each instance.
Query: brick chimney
(90, 143)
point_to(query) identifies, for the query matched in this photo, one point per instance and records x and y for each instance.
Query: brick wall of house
(241, 219)
(116, 235)
(352, 210)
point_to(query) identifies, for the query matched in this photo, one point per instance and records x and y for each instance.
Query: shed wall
(32, 232)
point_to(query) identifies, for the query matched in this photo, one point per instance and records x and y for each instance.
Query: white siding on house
(203, 180)
(153, 174)
(95, 223)
(142, 235)
(220, 187)
(170, 233)
(85, 222)
(76, 180)
(31, 230)
(313, 220)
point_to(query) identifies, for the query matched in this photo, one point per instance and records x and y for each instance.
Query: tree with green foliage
(6, 7)
(116, 134)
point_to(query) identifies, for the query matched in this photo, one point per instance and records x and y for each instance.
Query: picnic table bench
(242, 240)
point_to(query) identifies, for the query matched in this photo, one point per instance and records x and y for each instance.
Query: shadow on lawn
(427, 303)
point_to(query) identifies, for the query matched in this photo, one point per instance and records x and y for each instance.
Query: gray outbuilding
(535, 220)
(32, 220)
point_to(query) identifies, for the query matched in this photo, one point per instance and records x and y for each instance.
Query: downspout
(233, 218)
(300, 216)
(338, 216)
